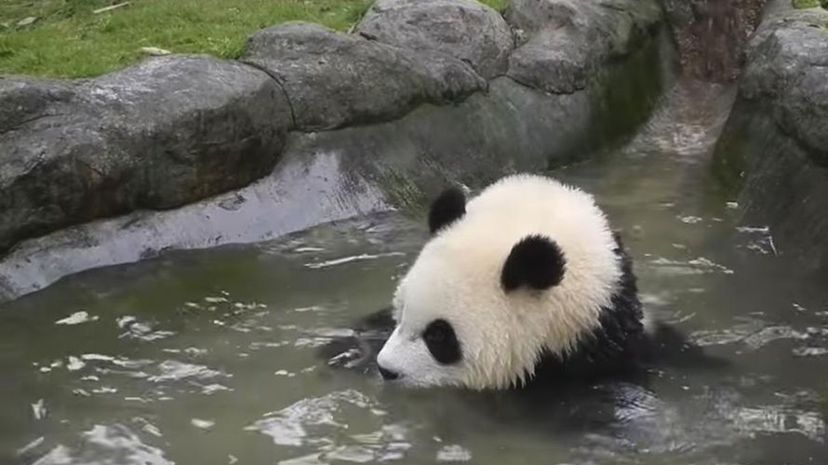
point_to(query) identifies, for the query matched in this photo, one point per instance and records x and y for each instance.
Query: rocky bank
(311, 125)
(773, 153)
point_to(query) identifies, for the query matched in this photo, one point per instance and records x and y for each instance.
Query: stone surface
(302, 192)
(332, 175)
(465, 29)
(712, 35)
(170, 131)
(432, 118)
(774, 150)
(788, 69)
(567, 41)
(333, 80)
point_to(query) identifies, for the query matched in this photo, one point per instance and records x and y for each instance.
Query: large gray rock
(167, 132)
(568, 41)
(465, 29)
(333, 80)
(407, 153)
(304, 190)
(788, 69)
(332, 175)
(774, 149)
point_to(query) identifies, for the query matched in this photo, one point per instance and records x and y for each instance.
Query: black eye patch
(442, 342)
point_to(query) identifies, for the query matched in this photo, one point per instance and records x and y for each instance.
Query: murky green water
(210, 357)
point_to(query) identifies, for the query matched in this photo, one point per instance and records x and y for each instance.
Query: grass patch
(500, 5)
(803, 4)
(68, 40)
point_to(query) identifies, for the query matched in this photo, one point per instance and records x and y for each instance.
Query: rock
(333, 175)
(432, 117)
(774, 149)
(680, 13)
(465, 29)
(333, 80)
(532, 16)
(167, 132)
(553, 62)
(568, 40)
(300, 193)
(788, 69)
(712, 34)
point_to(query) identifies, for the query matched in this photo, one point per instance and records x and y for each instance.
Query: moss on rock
(803, 4)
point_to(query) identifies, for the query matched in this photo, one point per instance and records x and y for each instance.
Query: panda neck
(618, 346)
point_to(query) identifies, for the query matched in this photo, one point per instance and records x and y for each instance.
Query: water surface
(210, 356)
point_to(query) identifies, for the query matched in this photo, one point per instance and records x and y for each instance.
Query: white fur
(457, 277)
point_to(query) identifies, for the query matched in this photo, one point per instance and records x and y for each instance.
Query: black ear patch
(447, 208)
(536, 262)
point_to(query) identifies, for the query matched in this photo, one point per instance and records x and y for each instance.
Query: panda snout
(388, 375)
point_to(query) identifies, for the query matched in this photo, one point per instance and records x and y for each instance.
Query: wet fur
(528, 267)
(591, 325)
(619, 349)
(665, 346)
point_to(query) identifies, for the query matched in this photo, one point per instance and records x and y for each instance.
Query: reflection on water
(210, 356)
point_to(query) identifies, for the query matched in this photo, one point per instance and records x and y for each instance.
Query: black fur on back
(616, 346)
(620, 346)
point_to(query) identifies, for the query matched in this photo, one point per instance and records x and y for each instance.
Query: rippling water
(210, 356)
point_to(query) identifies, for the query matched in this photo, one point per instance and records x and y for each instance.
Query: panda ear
(536, 262)
(447, 208)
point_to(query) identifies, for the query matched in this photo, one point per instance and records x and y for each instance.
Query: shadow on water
(210, 356)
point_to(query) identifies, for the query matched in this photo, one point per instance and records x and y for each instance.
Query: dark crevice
(711, 35)
(281, 86)
(539, 89)
(20, 124)
(415, 104)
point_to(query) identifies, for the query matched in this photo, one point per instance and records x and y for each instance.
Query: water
(211, 356)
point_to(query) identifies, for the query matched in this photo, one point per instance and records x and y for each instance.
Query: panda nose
(388, 375)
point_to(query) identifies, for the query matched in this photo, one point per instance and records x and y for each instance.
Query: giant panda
(524, 283)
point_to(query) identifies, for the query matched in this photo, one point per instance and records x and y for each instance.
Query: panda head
(521, 271)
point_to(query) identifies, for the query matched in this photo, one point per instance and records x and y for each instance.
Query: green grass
(67, 40)
(802, 4)
(499, 5)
